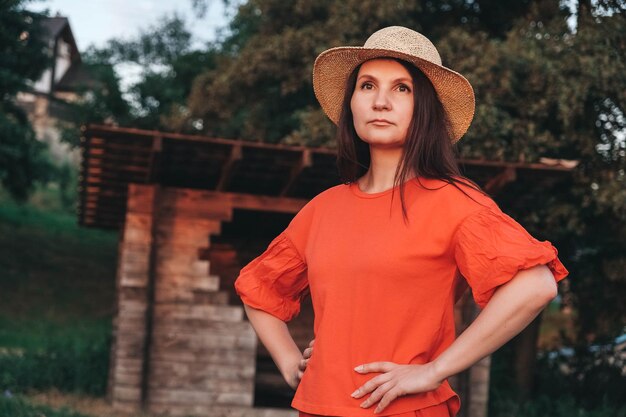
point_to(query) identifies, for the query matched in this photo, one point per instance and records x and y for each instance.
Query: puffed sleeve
(275, 281)
(490, 248)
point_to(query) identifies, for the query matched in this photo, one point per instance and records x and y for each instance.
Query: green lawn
(50, 268)
(57, 284)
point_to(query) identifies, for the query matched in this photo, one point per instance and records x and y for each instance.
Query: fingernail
(359, 368)
(354, 393)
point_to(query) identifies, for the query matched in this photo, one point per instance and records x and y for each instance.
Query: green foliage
(99, 105)
(559, 406)
(168, 66)
(72, 357)
(265, 74)
(18, 407)
(23, 160)
(22, 56)
(49, 262)
(57, 297)
(585, 384)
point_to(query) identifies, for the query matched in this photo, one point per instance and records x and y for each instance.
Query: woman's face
(384, 90)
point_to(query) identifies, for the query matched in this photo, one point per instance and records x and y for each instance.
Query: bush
(558, 406)
(72, 358)
(585, 383)
(593, 377)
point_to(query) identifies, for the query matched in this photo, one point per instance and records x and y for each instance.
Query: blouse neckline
(354, 187)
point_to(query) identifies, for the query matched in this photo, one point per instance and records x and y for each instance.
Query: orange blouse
(383, 290)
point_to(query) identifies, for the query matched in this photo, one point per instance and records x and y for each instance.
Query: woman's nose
(381, 101)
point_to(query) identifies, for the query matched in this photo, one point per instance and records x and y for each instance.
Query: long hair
(427, 151)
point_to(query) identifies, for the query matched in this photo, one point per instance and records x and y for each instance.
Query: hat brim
(333, 66)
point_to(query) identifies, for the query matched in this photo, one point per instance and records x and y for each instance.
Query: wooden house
(66, 80)
(192, 211)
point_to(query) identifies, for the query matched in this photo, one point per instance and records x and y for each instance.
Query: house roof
(59, 27)
(77, 76)
(112, 157)
(54, 25)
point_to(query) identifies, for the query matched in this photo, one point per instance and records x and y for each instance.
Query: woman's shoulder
(328, 195)
(460, 195)
(318, 201)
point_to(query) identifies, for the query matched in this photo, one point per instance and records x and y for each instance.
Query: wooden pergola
(181, 343)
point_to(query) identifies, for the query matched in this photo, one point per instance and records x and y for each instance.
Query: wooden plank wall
(179, 348)
(203, 352)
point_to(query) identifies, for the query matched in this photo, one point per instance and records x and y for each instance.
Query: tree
(23, 58)
(271, 49)
(157, 100)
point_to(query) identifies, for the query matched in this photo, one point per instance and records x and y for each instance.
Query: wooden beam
(227, 168)
(193, 198)
(112, 165)
(304, 162)
(94, 129)
(154, 167)
(498, 182)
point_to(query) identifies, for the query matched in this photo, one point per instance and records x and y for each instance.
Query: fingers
(379, 393)
(386, 399)
(370, 385)
(302, 364)
(307, 352)
(311, 343)
(384, 395)
(375, 367)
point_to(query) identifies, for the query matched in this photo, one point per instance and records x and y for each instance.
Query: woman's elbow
(536, 285)
(546, 288)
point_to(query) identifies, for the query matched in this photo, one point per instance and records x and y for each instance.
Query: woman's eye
(365, 85)
(407, 89)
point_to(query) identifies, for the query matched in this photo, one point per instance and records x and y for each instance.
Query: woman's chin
(383, 142)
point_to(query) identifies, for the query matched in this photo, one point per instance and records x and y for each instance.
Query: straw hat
(333, 66)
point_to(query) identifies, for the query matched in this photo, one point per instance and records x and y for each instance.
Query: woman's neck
(380, 175)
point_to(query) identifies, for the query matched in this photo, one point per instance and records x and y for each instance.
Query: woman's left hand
(395, 381)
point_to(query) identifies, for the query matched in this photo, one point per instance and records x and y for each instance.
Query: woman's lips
(381, 123)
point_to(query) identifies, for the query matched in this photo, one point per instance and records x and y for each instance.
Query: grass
(18, 407)
(52, 269)
(57, 298)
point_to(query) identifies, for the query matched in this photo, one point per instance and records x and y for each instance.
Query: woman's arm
(275, 336)
(512, 307)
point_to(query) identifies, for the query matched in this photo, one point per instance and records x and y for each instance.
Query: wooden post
(179, 348)
(133, 278)
(472, 385)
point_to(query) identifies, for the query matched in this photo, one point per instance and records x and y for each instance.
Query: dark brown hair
(428, 149)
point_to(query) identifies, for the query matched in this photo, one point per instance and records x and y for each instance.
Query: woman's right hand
(294, 380)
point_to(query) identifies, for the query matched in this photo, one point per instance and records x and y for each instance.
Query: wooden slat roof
(112, 157)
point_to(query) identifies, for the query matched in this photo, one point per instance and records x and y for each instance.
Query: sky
(96, 21)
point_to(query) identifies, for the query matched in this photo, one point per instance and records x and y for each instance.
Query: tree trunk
(583, 14)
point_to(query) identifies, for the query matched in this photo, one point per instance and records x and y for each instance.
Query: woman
(384, 273)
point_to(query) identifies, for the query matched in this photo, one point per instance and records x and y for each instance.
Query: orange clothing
(383, 290)
(437, 410)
